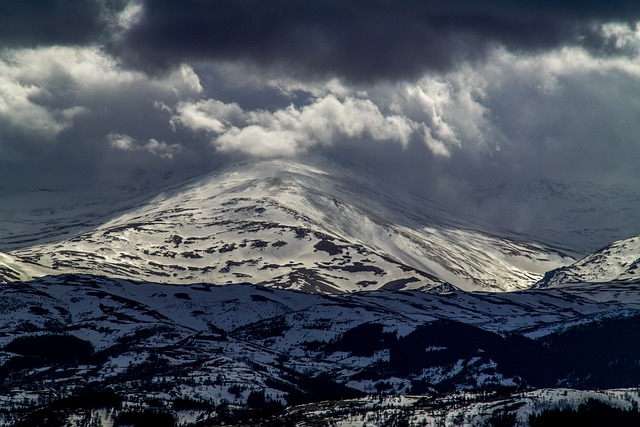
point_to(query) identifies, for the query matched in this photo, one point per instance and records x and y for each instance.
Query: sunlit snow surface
(618, 261)
(315, 226)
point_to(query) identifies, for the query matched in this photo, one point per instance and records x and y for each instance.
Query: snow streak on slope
(616, 262)
(315, 226)
(15, 269)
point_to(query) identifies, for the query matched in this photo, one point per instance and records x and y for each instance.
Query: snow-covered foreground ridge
(461, 409)
(220, 345)
(317, 226)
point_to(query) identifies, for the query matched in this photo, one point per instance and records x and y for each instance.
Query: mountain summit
(315, 225)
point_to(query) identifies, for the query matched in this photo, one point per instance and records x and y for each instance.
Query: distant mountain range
(579, 217)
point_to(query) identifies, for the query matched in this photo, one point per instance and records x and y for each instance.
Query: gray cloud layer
(360, 39)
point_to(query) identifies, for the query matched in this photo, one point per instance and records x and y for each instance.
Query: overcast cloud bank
(436, 95)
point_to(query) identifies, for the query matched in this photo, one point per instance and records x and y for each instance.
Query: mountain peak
(618, 261)
(311, 224)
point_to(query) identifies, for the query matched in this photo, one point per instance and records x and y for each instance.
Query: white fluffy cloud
(512, 111)
(153, 146)
(325, 121)
(207, 115)
(19, 106)
(43, 90)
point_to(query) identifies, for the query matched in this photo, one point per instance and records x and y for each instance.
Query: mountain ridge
(152, 343)
(618, 261)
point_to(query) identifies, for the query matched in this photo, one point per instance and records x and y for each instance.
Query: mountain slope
(315, 225)
(16, 269)
(615, 262)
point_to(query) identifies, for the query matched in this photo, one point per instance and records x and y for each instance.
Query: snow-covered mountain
(476, 409)
(618, 261)
(31, 217)
(119, 293)
(314, 225)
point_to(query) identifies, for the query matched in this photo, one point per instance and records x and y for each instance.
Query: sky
(437, 95)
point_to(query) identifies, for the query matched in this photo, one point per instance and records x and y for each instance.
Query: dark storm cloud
(359, 39)
(26, 23)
